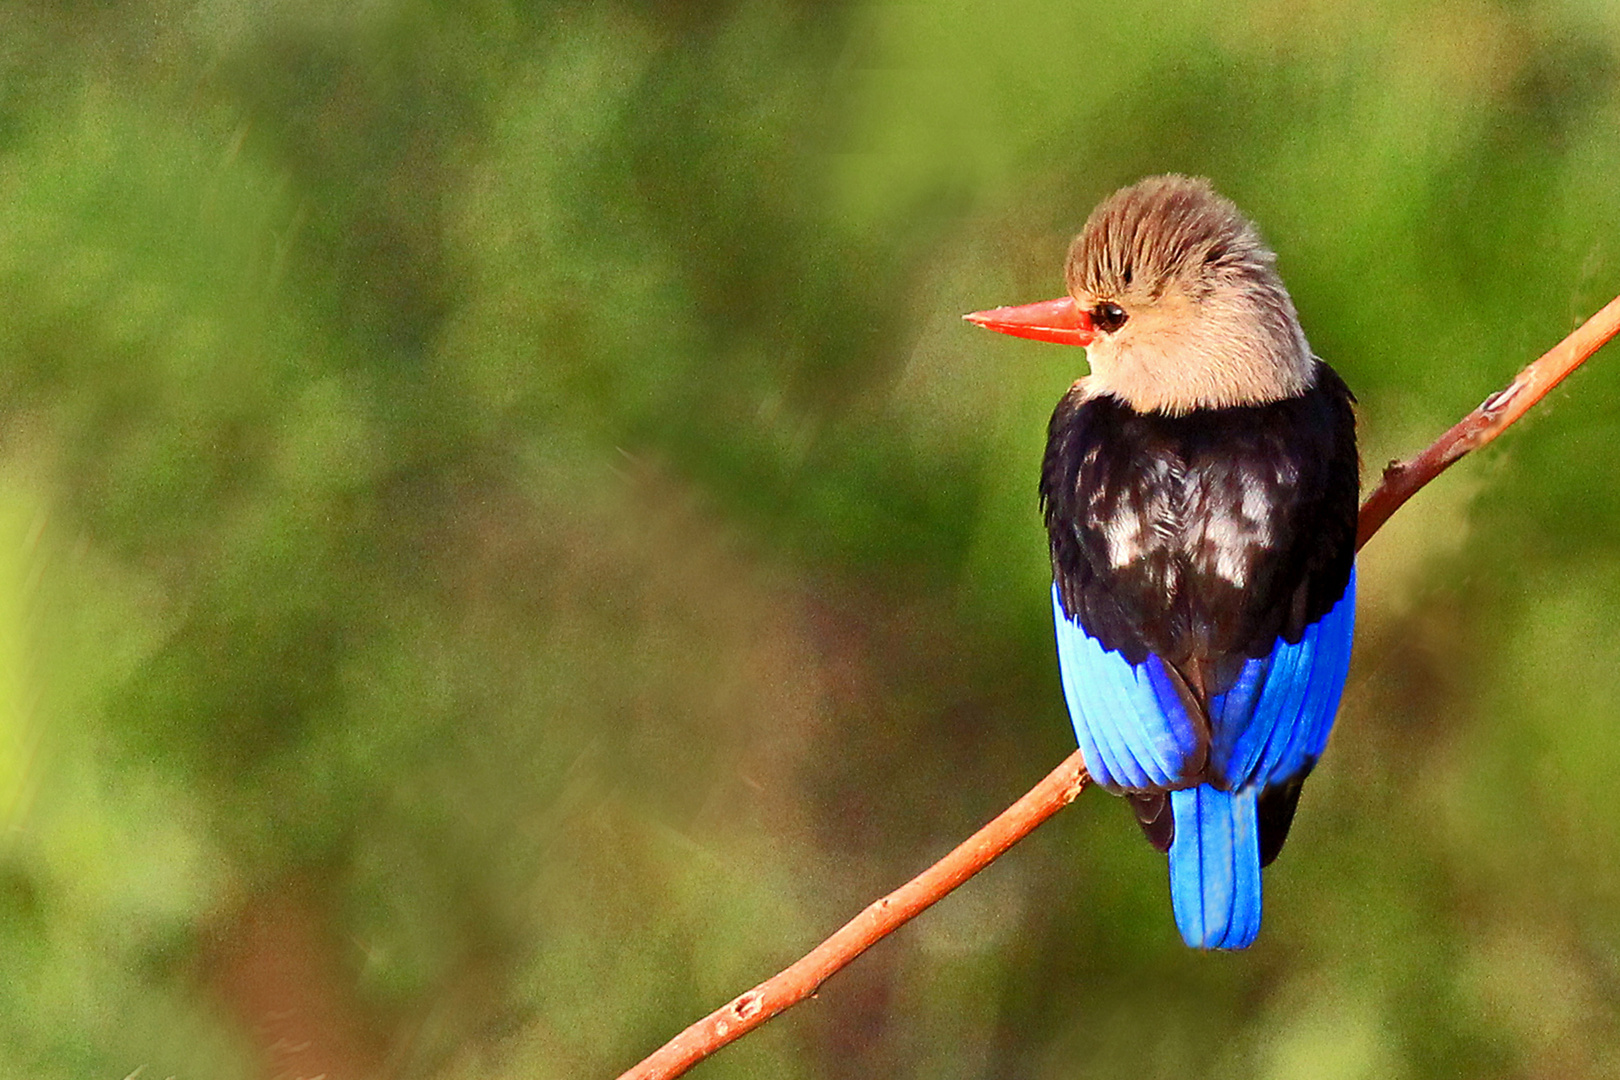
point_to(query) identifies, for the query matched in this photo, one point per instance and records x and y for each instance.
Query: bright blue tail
(1215, 867)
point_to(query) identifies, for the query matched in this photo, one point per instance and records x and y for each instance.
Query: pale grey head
(1185, 299)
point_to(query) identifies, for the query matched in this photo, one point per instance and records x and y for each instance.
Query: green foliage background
(505, 492)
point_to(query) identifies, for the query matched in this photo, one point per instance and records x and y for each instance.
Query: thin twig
(793, 985)
(1401, 480)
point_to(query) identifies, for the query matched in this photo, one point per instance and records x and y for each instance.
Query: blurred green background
(505, 540)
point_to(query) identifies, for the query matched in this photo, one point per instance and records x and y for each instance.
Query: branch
(1401, 480)
(798, 982)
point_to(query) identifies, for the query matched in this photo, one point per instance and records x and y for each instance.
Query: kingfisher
(1200, 489)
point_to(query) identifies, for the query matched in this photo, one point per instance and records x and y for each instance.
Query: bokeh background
(505, 540)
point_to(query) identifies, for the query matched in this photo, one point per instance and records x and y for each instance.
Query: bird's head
(1177, 301)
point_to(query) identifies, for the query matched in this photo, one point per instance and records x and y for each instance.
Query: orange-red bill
(1061, 321)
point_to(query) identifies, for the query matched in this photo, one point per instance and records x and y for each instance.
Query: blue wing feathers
(1111, 713)
(1325, 706)
(1181, 735)
(1230, 709)
(1273, 721)
(1292, 711)
(1102, 710)
(1130, 715)
(1299, 750)
(1240, 750)
(1268, 727)
(1277, 715)
(1097, 709)
(1068, 662)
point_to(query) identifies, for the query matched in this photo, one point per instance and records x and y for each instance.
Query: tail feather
(1215, 867)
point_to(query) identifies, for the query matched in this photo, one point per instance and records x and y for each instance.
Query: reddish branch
(1401, 480)
(794, 984)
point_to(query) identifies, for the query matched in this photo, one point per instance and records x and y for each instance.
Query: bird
(1200, 489)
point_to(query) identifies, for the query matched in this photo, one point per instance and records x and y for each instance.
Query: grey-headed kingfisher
(1200, 490)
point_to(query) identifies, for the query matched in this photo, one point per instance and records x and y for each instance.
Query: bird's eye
(1108, 317)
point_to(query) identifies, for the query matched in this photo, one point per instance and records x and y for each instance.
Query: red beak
(1060, 321)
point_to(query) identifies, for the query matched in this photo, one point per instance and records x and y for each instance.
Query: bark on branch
(1400, 481)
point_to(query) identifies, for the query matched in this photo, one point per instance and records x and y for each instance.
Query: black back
(1202, 537)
